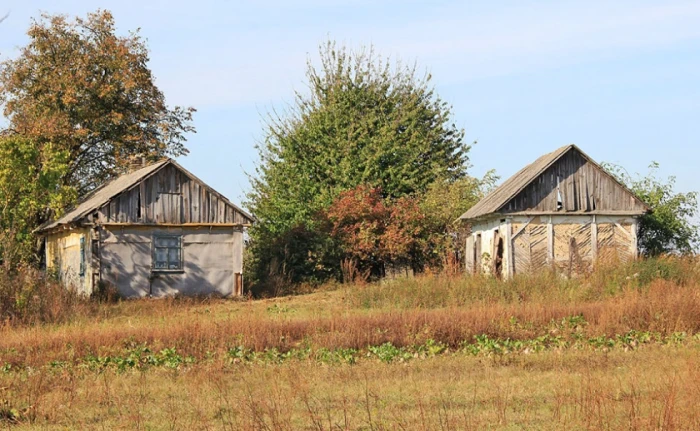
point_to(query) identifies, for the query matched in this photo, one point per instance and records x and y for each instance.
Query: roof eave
(492, 215)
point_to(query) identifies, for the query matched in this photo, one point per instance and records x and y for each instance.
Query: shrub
(28, 296)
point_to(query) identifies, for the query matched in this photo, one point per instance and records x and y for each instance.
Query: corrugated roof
(102, 195)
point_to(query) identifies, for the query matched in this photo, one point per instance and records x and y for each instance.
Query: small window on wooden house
(167, 253)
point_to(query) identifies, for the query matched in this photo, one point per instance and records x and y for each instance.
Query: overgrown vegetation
(534, 352)
(81, 104)
(669, 227)
(366, 172)
(366, 124)
(31, 188)
(29, 297)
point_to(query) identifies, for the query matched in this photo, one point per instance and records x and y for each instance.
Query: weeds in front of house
(608, 280)
(614, 349)
(652, 388)
(29, 297)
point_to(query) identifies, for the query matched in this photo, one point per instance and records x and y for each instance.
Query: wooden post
(550, 241)
(469, 255)
(634, 243)
(479, 262)
(494, 248)
(510, 261)
(594, 239)
(238, 284)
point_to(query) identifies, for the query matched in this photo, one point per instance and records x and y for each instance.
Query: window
(167, 253)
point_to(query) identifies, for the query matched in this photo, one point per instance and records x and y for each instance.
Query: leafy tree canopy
(30, 183)
(442, 204)
(363, 121)
(669, 227)
(90, 93)
(372, 231)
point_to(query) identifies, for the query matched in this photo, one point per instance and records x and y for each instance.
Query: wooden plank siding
(573, 184)
(169, 196)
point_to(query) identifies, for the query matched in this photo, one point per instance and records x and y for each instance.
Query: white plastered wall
(621, 231)
(211, 258)
(488, 231)
(63, 256)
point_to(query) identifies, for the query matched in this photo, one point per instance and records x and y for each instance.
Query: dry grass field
(619, 349)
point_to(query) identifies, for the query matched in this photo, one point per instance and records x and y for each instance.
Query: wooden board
(614, 242)
(538, 246)
(572, 247)
(573, 184)
(170, 196)
(469, 255)
(521, 252)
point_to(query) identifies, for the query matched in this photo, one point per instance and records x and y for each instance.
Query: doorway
(477, 254)
(498, 260)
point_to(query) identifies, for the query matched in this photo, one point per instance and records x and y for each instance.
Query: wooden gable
(573, 183)
(171, 195)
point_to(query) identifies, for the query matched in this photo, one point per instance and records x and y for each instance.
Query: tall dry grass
(608, 280)
(46, 379)
(651, 389)
(29, 297)
(662, 306)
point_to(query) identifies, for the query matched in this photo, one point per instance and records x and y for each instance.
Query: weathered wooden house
(155, 231)
(562, 210)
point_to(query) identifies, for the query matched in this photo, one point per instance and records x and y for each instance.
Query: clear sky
(620, 79)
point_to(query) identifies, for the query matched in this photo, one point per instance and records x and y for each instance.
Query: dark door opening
(498, 261)
(477, 252)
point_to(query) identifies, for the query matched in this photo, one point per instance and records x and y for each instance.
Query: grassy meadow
(618, 349)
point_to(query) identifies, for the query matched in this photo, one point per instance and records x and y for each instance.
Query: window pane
(174, 257)
(167, 241)
(161, 255)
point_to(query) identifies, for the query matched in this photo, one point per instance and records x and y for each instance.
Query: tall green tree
(89, 92)
(442, 204)
(669, 227)
(30, 186)
(363, 121)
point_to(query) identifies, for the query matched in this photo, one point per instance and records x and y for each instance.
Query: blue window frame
(167, 252)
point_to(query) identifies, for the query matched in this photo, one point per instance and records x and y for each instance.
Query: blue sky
(620, 79)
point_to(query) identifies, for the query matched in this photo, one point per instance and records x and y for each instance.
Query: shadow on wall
(207, 270)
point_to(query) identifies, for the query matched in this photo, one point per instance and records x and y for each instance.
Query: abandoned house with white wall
(155, 231)
(563, 211)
